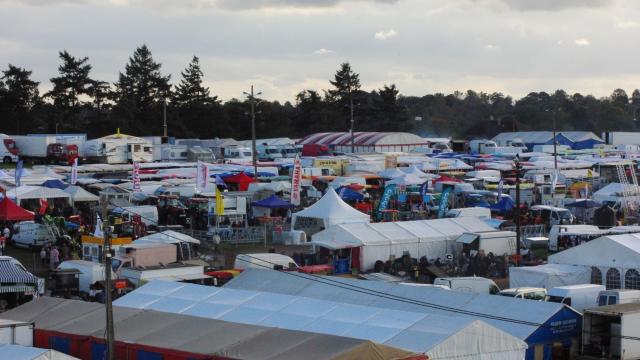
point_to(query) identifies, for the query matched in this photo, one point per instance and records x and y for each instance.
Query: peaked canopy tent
(614, 260)
(55, 184)
(391, 173)
(273, 202)
(328, 211)
(78, 194)
(439, 337)
(9, 211)
(407, 180)
(28, 192)
(241, 180)
(413, 170)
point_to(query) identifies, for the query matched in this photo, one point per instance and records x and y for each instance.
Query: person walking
(43, 256)
(3, 241)
(54, 258)
(6, 232)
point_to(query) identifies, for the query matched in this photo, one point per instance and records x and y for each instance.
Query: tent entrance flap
(467, 238)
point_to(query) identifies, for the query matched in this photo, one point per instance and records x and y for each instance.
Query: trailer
(16, 332)
(612, 331)
(118, 149)
(45, 149)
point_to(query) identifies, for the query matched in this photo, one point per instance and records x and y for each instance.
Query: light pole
(517, 167)
(555, 142)
(353, 144)
(252, 100)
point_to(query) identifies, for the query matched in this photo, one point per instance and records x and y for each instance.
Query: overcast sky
(284, 46)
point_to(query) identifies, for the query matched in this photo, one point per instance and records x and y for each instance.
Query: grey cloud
(44, 2)
(261, 4)
(550, 5)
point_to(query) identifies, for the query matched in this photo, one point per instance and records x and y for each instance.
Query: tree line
(137, 102)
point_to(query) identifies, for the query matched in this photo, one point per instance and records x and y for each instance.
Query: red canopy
(446, 178)
(241, 179)
(9, 211)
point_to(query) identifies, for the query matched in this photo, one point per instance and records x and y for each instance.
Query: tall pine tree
(190, 91)
(140, 93)
(73, 82)
(18, 95)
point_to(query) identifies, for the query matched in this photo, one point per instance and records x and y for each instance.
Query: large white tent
(331, 210)
(28, 192)
(407, 180)
(391, 173)
(377, 241)
(613, 193)
(78, 194)
(548, 276)
(438, 336)
(614, 260)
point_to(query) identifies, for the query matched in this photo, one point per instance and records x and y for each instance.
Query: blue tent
(349, 194)
(55, 184)
(504, 205)
(273, 202)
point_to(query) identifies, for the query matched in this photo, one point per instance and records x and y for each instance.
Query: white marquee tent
(78, 194)
(548, 276)
(391, 173)
(331, 210)
(377, 241)
(615, 258)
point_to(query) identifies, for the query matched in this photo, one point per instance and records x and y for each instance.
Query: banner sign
(444, 203)
(202, 176)
(296, 181)
(74, 172)
(136, 177)
(389, 190)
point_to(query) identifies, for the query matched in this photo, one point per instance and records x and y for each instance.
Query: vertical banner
(136, 177)
(202, 176)
(389, 191)
(219, 202)
(296, 181)
(18, 174)
(554, 181)
(74, 172)
(444, 203)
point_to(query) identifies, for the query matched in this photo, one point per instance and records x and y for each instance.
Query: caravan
(118, 149)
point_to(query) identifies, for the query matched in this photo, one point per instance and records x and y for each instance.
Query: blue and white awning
(12, 274)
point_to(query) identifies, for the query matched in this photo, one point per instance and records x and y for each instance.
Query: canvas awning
(10, 211)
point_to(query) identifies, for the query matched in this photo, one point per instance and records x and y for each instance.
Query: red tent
(9, 211)
(241, 179)
(446, 178)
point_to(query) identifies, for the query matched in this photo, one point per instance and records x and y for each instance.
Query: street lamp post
(555, 142)
(252, 100)
(352, 121)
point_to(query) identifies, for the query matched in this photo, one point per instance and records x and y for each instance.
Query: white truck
(90, 272)
(238, 154)
(45, 149)
(618, 296)
(491, 147)
(8, 149)
(579, 297)
(16, 332)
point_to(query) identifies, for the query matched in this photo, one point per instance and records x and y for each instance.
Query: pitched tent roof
(619, 251)
(17, 352)
(332, 210)
(27, 192)
(167, 237)
(179, 332)
(242, 179)
(272, 202)
(411, 331)
(413, 170)
(79, 194)
(55, 184)
(10, 211)
(368, 293)
(406, 179)
(548, 275)
(391, 173)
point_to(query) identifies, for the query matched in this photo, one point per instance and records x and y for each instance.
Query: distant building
(577, 140)
(365, 141)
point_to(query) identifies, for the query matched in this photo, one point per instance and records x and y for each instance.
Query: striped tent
(14, 277)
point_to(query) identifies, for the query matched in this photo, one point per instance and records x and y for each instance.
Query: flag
(423, 188)
(444, 203)
(202, 176)
(136, 177)
(44, 204)
(589, 173)
(98, 231)
(554, 181)
(500, 188)
(219, 203)
(74, 172)
(296, 181)
(18, 174)
(220, 182)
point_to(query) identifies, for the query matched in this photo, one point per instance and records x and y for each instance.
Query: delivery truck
(8, 149)
(45, 149)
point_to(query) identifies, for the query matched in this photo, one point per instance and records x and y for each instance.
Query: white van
(579, 297)
(469, 212)
(552, 215)
(90, 272)
(618, 296)
(529, 293)
(471, 284)
(29, 234)
(264, 261)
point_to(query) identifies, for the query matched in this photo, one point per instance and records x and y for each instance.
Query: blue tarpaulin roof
(55, 184)
(349, 194)
(272, 202)
(504, 205)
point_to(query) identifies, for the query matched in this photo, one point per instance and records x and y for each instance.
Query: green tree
(140, 91)
(345, 83)
(190, 91)
(18, 96)
(73, 82)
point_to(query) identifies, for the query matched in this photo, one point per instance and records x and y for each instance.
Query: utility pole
(164, 119)
(254, 103)
(106, 251)
(518, 168)
(352, 121)
(555, 142)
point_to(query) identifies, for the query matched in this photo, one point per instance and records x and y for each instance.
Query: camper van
(579, 297)
(238, 153)
(118, 149)
(8, 149)
(471, 284)
(618, 296)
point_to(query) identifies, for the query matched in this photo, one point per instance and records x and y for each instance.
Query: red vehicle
(315, 150)
(62, 153)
